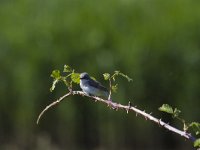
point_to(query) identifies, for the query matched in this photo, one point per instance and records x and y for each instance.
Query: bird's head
(84, 76)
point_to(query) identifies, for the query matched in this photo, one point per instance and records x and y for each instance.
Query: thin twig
(125, 107)
(51, 105)
(110, 92)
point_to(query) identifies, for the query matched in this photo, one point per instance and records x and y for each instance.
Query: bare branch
(127, 108)
(51, 105)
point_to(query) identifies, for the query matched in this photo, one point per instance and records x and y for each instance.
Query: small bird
(92, 87)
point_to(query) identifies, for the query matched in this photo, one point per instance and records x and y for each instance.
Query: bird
(92, 87)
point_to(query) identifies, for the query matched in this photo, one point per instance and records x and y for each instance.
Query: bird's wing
(97, 85)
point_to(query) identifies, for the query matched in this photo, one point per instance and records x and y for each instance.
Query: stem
(110, 91)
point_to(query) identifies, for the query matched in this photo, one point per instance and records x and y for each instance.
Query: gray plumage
(92, 87)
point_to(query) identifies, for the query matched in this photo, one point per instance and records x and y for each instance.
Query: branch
(120, 106)
(51, 105)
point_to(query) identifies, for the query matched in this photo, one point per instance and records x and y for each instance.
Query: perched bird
(92, 87)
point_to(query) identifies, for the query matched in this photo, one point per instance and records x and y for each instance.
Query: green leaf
(196, 127)
(67, 68)
(75, 78)
(166, 108)
(106, 76)
(197, 143)
(176, 113)
(54, 84)
(56, 74)
(114, 88)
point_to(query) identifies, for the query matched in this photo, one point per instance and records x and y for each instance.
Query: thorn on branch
(116, 108)
(129, 106)
(159, 122)
(145, 115)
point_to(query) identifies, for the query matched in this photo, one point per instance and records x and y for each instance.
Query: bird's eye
(83, 77)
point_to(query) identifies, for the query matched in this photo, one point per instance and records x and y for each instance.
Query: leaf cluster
(194, 126)
(112, 77)
(168, 109)
(70, 77)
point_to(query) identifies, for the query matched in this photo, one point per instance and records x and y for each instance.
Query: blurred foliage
(155, 42)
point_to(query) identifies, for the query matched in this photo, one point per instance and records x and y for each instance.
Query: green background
(156, 43)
